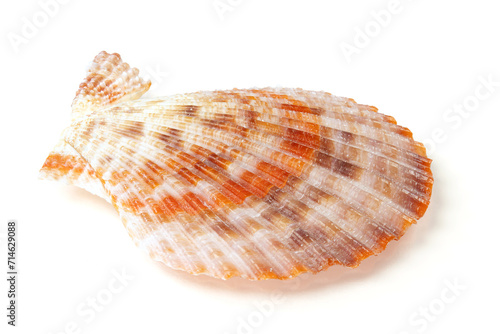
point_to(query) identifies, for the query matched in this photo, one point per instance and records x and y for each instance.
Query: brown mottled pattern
(258, 183)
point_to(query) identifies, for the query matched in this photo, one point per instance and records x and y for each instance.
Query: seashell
(258, 183)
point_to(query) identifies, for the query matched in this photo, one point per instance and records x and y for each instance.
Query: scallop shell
(258, 183)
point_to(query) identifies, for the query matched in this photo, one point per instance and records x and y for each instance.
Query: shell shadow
(86, 199)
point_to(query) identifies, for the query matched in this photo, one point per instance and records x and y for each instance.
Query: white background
(430, 57)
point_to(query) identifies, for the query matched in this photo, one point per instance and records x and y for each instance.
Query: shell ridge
(327, 116)
(65, 164)
(267, 253)
(373, 192)
(306, 218)
(221, 171)
(338, 211)
(120, 209)
(109, 81)
(146, 229)
(382, 199)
